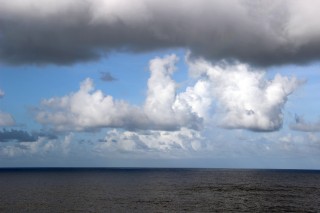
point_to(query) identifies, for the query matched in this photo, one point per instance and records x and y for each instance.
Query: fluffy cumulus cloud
(244, 98)
(162, 106)
(304, 126)
(263, 32)
(230, 96)
(90, 109)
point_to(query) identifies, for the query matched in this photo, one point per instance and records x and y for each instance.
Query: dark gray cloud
(23, 136)
(267, 32)
(106, 76)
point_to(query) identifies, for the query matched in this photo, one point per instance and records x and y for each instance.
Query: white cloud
(244, 97)
(89, 109)
(162, 106)
(198, 98)
(232, 96)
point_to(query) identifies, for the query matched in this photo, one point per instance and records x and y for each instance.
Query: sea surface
(158, 190)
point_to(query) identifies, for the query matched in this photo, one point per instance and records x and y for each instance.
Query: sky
(147, 83)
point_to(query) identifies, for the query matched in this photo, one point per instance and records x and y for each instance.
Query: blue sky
(121, 85)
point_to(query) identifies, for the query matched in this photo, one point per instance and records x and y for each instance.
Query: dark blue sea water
(159, 190)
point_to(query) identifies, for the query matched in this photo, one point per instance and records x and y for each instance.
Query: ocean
(158, 190)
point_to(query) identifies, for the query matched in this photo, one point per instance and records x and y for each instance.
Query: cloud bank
(230, 96)
(267, 32)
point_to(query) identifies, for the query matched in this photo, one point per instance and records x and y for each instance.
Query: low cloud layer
(151, 141)
(267, 32)
(230, 96)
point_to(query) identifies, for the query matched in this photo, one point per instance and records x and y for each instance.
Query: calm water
(159, 190)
